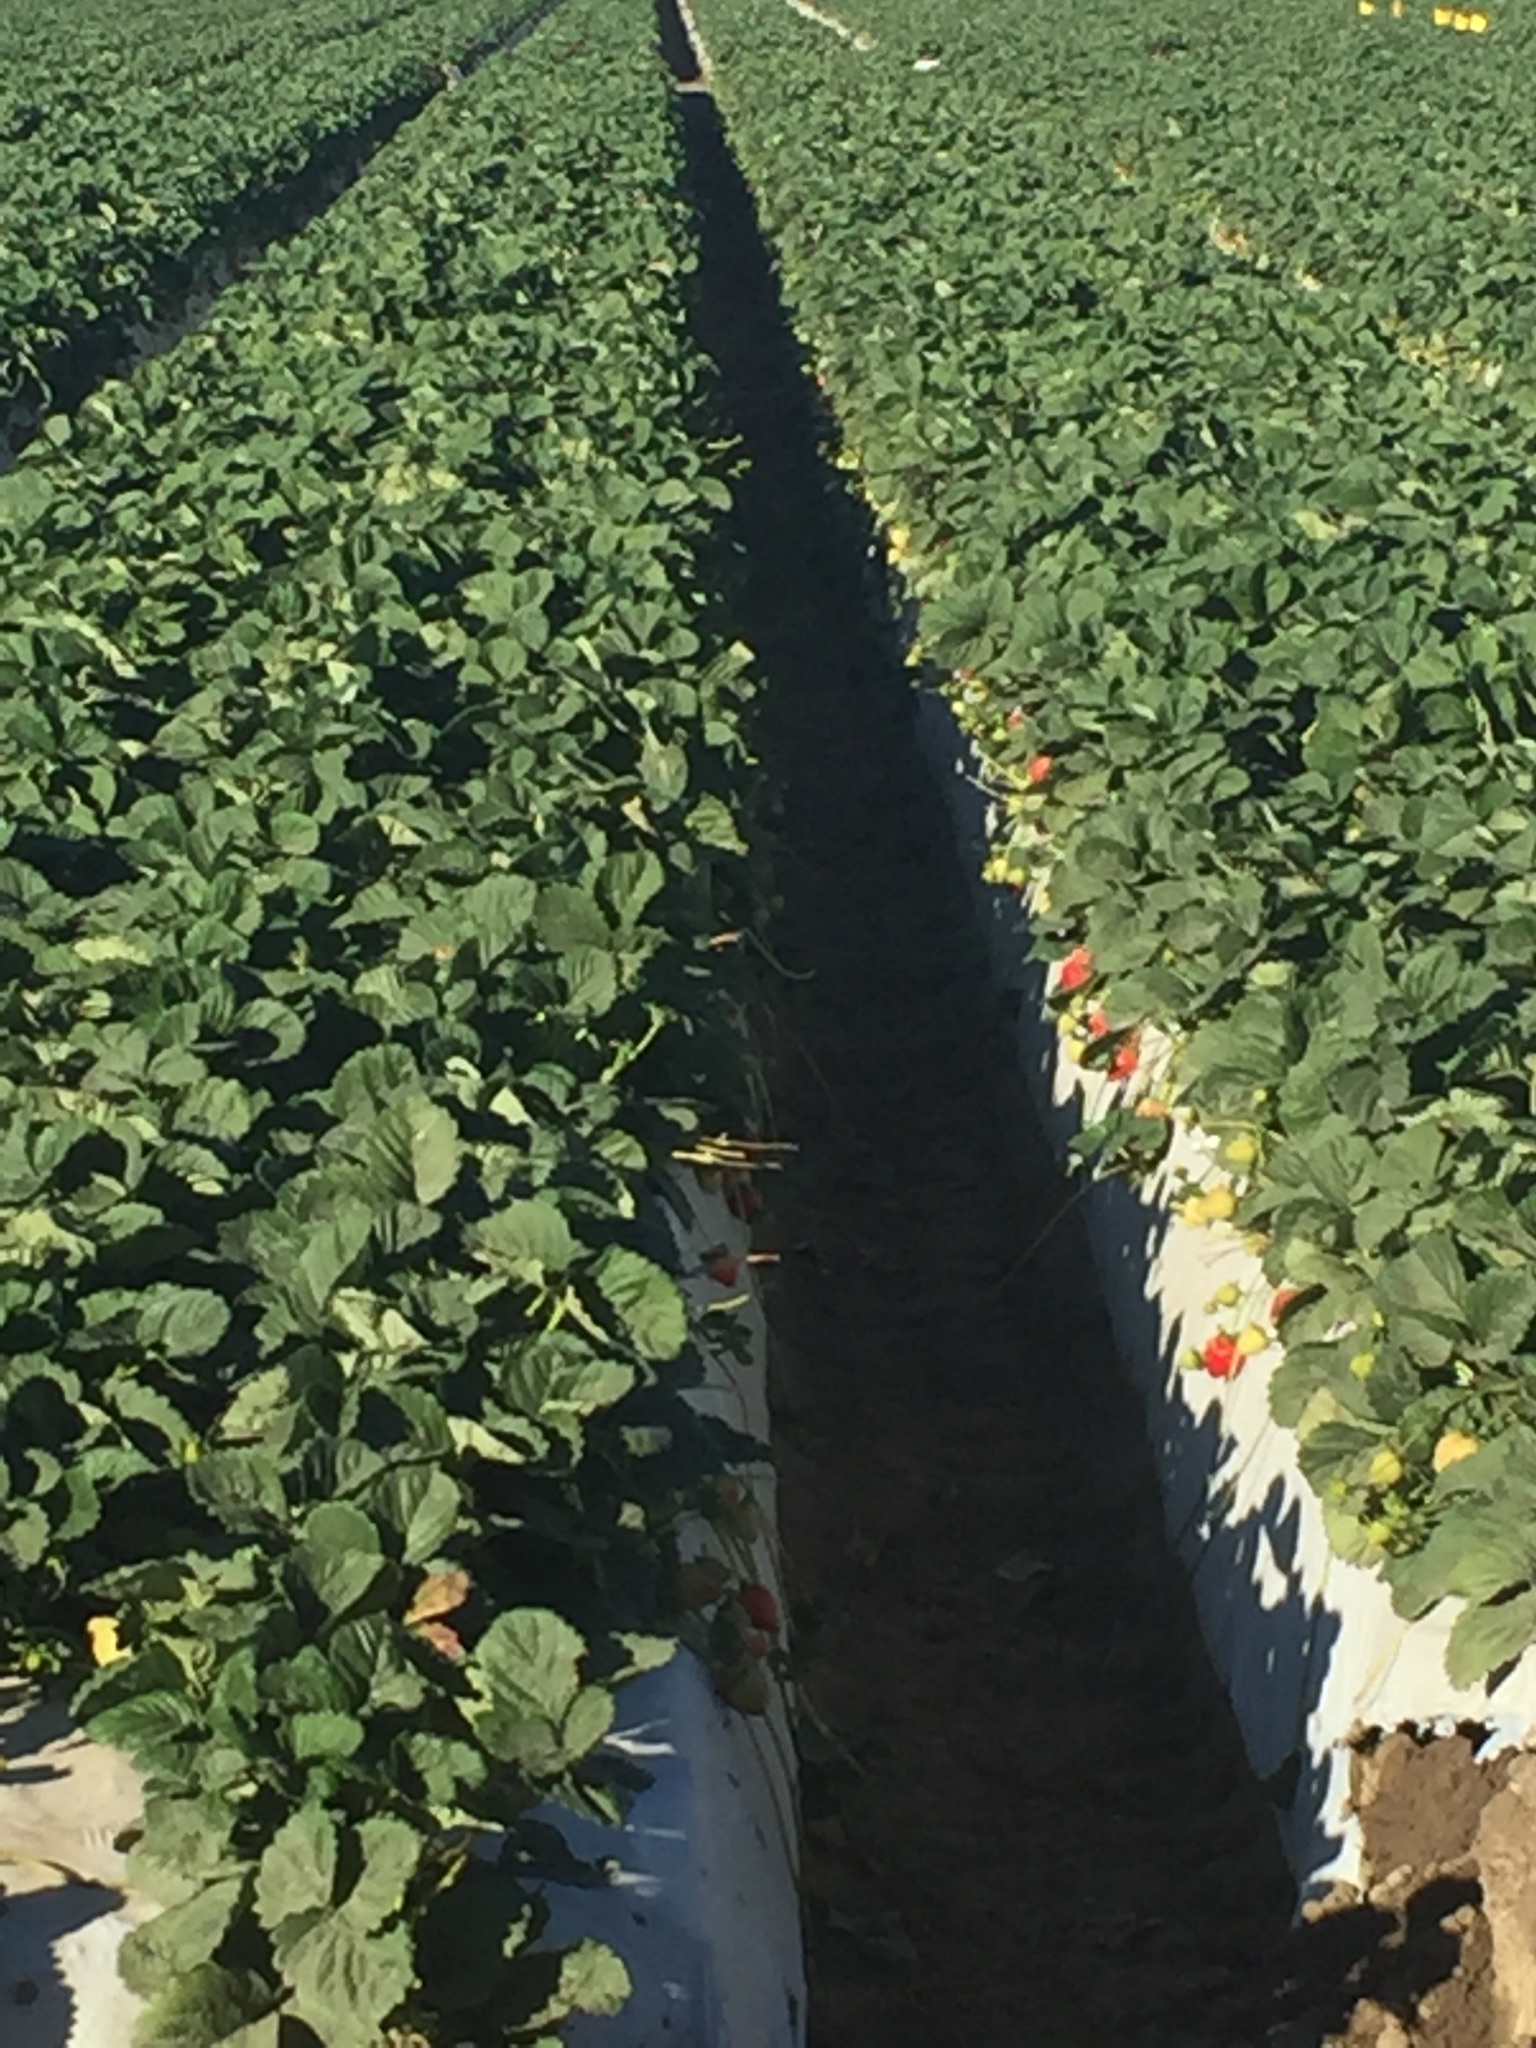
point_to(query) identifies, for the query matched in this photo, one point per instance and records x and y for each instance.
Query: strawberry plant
(370, 769)
(1185, 364)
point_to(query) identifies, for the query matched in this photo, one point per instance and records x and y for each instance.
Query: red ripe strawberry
(724, 1268)
(1039, 768)
(1076, 969)
(1221, 1357)
(761, 1607)
(445, 1640)
(1098, 1024)
(1125, 1062)
(1285, 1299)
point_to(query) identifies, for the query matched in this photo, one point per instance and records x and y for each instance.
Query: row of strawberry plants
(107, 47)
(1237, 604)
(117, 165)
(369, 770)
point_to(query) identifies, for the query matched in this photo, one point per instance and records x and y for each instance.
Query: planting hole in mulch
(1029, 1815)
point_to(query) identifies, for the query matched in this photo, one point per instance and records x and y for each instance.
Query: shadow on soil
(1278, 1644)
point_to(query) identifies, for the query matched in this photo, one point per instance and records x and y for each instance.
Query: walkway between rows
(1031, 1822)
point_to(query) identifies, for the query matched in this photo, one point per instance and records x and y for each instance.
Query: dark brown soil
(1029, 1816)
(1405, 1960)
(1421, 1801)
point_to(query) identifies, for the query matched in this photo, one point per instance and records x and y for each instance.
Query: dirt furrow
(1029, 1814)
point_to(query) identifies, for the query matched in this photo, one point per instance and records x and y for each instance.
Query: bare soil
(1405, 1959)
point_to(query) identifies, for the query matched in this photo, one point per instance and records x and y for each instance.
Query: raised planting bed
(1209, 511)
(132, 152)
(372, 787)
(695, 1891)
(1310, 1647)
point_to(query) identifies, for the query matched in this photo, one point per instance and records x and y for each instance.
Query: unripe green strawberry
(730, 1507)
(1452, 1448)
(1386, 1467)
(745, 1686)
(699, 1582)
(745, 1523)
